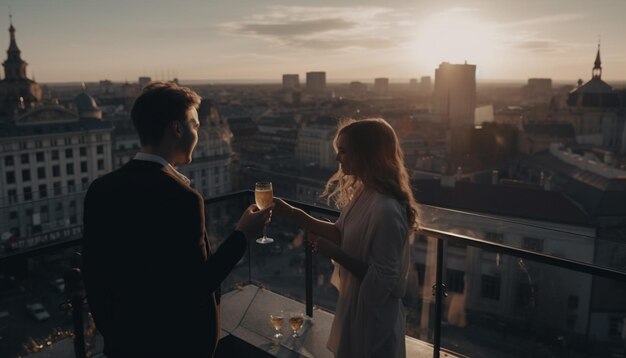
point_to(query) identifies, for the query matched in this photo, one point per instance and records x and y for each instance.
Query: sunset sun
(455, 36)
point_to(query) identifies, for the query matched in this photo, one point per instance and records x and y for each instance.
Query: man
(148, 270)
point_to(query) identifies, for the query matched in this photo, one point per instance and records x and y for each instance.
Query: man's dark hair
(158, 105)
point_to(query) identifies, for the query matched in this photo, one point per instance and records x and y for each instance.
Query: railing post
(75, 294)
(308, 274)
(438, 299)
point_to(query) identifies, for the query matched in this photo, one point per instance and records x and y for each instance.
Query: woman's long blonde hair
(377, 162)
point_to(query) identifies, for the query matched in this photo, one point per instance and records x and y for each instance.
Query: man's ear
(178, 131)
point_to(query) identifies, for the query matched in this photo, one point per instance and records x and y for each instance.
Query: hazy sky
(90, 40)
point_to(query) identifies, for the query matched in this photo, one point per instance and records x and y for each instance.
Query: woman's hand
(324, 246)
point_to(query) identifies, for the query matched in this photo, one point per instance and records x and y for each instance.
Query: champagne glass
(263, 195)
(277, 323)
(295, 321)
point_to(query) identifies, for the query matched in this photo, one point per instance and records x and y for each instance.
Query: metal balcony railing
(275, 270)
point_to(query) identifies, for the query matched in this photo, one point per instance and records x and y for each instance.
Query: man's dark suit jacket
(149, 274)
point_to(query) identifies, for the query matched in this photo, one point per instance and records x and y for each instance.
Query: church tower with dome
(18, 93)
(595, 110)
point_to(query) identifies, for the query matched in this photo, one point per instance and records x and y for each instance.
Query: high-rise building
(316, 82)
(426, 85)
(381, 85)
(454, 102)
(291, 82)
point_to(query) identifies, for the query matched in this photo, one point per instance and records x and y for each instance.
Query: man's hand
(253, 220)
(281, 208)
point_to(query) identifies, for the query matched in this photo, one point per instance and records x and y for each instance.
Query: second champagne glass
(263, 195)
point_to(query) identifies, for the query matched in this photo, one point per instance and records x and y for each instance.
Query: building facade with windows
(49, 155)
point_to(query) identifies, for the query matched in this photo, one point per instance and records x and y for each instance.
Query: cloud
(532, 41)
(294, 28)
(318, 28)
(550, 20)
(538, 45)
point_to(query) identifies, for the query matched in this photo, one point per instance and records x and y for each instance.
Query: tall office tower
(426, 84)
(413, 85)
(381, 85)
(316, 82)
(291, 82)
(454, 102)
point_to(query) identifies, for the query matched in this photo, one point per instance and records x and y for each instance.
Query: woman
(369, 241)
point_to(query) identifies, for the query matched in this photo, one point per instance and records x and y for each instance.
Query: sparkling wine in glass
(295, 321)
(263, 195)
(277, 323)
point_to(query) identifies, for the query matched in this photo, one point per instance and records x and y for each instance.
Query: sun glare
(455, 36)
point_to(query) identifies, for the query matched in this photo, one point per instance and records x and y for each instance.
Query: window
(54, 155)
(13, 215)
(100, 149)
(68, 141)
(533, 244)
(455, 281)
(28, 193)
(41, 173)
(43, 191)
(12, 195)
(490, 287)
(616, 326)
(100, 164)
(83, 167)
(57, 188)
(70, 186)
(69, 153)
(85, 183)
(56, 171)
(10, 177)
(39, 157)
(25, 159)
(82, 151)
(38, 144)
(26, 175)
(69, 168)
(8, 160)
(72, 203)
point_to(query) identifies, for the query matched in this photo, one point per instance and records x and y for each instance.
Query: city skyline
(73, 41)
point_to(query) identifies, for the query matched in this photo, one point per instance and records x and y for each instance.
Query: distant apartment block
(315, 146)
(291, 82)
(209, 171)
(381, 85)
(143, 81)
(537, 90)
(47, 167)
(316, 82)
(426, 84)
